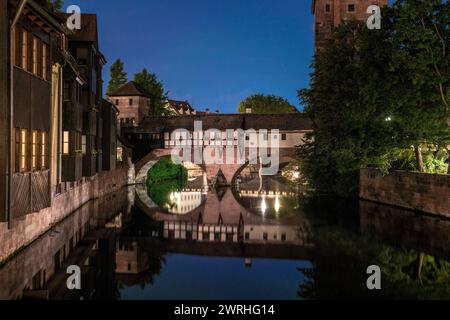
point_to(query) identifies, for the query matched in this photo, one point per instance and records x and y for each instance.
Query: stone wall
(25, 230)
(417, 191)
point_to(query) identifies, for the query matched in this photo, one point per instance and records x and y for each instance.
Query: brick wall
(338, 11)
(25, 230)
(418, 191)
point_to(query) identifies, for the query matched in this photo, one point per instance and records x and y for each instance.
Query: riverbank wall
(429, 193)
(25, 230)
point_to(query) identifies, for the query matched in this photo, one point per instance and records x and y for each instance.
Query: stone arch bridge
(153, 139)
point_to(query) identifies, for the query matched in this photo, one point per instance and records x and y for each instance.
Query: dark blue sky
(211, 52)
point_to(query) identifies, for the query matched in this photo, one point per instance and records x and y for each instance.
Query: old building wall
(4, 104)
(26, 229)
(417, 191)
(331, 13)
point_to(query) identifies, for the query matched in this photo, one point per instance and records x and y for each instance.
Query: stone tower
(330, 13)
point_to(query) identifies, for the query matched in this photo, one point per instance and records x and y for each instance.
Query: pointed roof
(129, 89)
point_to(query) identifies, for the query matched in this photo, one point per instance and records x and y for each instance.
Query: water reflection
(247, 243)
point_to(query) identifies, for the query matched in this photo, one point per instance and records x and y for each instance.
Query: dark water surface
(261, 240)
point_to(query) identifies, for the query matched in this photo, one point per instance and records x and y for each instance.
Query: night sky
(213, 53)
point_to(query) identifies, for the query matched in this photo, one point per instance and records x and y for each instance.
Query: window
(35, 56)
(66, 142)
(23, 150)
(327, 7)
(265, 236)
(44, 150)
(284, 137)
(45, 61)
(25, 49)
(83, 145)
(351, 8)
(34, 150)
(117, 102)
(130, 102)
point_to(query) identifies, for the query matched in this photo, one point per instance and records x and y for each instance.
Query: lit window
(35, 56)
(44, 151)
(34, 150)
(66, 140)
(83, 145)
(23, 150)
(44, 61)
(25, 48)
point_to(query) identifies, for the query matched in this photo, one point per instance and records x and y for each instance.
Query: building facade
(51, 107)
(180, 107)
(83, 46)
(132, 103)
(331, 13)
(34, 40)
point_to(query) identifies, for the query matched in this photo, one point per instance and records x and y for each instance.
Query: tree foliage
(164, 178)
(421, 38)
(155, 90)
(348, 103)
(118, 76)
(368, 104)
(266, 104)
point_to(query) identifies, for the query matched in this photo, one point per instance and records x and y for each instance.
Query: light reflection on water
(242, 243)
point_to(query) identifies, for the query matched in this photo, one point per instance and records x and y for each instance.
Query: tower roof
(129, 89)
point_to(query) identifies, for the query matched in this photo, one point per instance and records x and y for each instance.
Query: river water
(263, 239)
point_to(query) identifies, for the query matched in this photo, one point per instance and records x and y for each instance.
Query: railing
(30, 193)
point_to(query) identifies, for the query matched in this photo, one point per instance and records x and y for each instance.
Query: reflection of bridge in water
(222, 226)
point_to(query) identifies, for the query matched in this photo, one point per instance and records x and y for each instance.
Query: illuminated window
(83, 145)
(66, 144)
(25, 48)
(44, 61)
(23, 150)
(44, 151)
(34, 150)
(35, 56)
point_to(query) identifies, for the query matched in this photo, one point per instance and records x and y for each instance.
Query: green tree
(155, 89)
(266, 104)
(348, 102)
(421, 36)
(118, 76)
